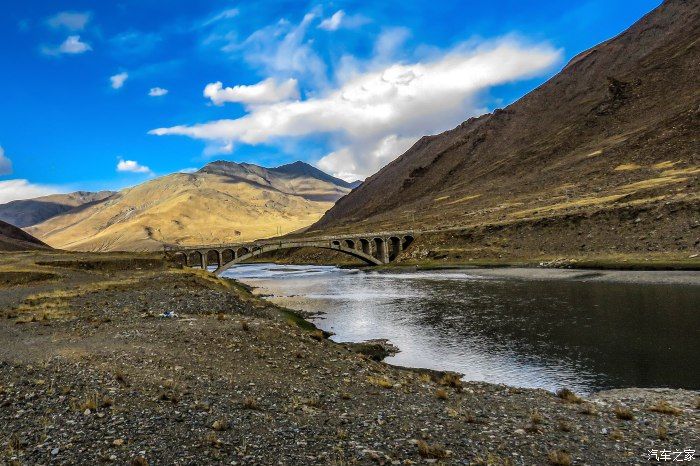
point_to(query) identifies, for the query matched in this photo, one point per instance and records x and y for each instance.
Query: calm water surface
(548, 334)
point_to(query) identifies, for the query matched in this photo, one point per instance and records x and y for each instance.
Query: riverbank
(665, 277)
(91, 371)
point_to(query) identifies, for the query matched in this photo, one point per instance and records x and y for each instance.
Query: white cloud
(157, 92)
(265, 92)
(376, 115)
(340, 20)
(71, 46)
(118, 80)
(226, 14)
(188, 170)
(5, 163)
(71, 20)
(333, 23)
(11, 190)
(282, 50)
(132, 166)
(218, 149)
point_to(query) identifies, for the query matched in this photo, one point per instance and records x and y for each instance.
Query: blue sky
(103, 95)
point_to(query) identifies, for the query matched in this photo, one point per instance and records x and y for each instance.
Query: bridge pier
(373, 248)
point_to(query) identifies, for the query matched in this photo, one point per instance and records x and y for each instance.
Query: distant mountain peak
(291, 170)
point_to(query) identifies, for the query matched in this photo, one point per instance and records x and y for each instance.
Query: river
(581, 334)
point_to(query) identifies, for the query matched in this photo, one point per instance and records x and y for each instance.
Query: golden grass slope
(190, 209)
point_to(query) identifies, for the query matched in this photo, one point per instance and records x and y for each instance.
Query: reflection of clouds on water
(516, 332)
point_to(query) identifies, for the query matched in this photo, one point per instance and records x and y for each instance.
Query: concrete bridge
(373, 248)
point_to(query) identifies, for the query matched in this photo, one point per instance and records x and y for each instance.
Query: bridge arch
(349, 243)
(213, 257)
(227, 255)
(196, 259)
(261, 249)
(407, 240)
(366, 246)
(181, 258)
(242, 251)
(394, 247)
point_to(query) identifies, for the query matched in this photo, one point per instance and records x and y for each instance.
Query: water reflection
(547, 334)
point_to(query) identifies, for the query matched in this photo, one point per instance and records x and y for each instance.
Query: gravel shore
(91, 372)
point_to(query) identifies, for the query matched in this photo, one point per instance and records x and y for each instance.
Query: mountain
(603, 156)
(222, 202)
(14, 239)
(27, 212)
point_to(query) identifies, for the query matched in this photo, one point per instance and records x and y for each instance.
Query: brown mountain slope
(223, 202)
(14, 239)
(611, 139)
(27, 212)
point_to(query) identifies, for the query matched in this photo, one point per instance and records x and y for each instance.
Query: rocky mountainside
(609, 145)
(14, 239)
(222, 202)
(28, 212)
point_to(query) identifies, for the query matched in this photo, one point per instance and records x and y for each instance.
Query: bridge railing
(292, 239)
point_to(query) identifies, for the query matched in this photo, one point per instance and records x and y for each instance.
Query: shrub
(568, 395)
(623, 413)
(664, 407)
(437, 452)
(559, 458)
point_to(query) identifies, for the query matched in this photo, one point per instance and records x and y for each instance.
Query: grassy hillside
(224, 202)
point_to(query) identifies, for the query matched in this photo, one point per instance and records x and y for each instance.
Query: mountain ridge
(615, 128)
(221, 202)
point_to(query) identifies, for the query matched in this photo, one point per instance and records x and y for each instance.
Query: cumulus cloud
(265, 92)
(377, 114)
(71, 46)
(117, 81)
(12, 190)
(71, 20)
(5, 163)
(157, 92)
(132, 166)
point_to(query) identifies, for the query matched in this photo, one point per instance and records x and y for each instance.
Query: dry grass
(441, 394)
(120, 377)
(437, 452)
(617, 435)
(382, 382)
(662, 432)
(664, 407)
(251, 403)
(627, 167)
(536, 418)
(568, 395)
(212, 440)
(139, 461)
(318, 335)
(451, 379)
(220, 425)
(588, 409)
(564, 426)
(623, 413)
(559, 458)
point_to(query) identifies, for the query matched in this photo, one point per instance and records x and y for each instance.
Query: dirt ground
(91, 372)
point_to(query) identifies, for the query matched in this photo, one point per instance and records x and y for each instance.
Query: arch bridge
(372, 248)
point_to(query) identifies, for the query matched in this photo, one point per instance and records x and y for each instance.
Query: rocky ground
(90, 372)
